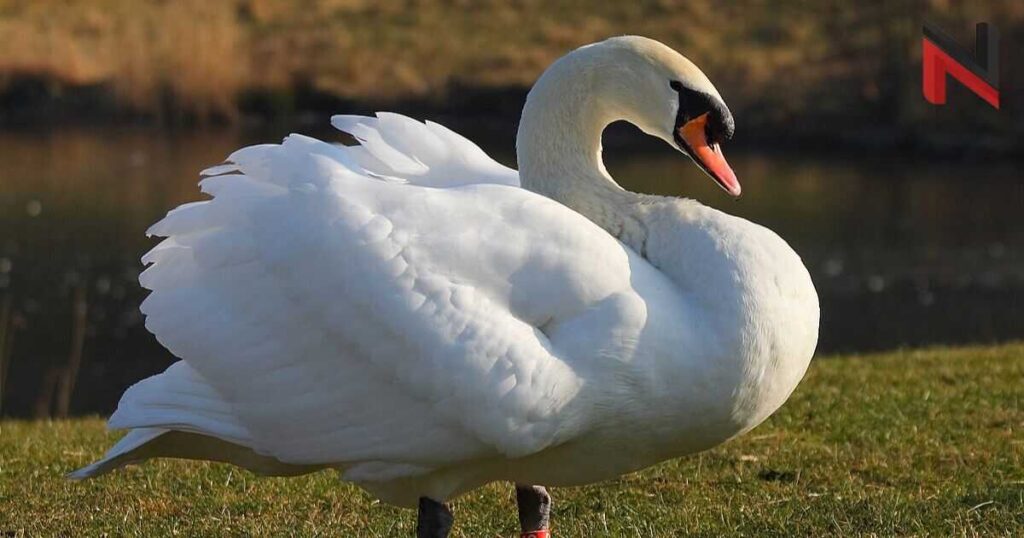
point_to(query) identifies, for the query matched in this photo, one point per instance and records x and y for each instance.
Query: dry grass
(184, 56)
(910, 443)
(199, 57)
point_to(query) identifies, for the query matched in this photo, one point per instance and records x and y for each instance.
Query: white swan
(404, 312)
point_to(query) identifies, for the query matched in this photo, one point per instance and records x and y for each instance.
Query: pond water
(902, 252)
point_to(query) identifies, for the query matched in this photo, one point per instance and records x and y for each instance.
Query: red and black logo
(942, 56)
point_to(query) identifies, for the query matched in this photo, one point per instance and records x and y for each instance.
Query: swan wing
(381, 325)
(393, 146)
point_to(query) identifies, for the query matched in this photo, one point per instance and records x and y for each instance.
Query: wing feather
(399, 148)
(389, 327)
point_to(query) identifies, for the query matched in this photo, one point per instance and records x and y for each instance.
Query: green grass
(906, 443)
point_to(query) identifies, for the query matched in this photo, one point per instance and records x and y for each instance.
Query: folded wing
(346, 306)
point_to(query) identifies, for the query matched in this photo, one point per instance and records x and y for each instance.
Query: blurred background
(909, 216)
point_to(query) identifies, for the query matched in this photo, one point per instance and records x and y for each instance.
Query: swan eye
(675, 85)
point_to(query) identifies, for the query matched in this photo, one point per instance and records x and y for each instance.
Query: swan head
(664, 94)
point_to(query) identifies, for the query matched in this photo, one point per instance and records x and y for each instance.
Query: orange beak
(708, 156)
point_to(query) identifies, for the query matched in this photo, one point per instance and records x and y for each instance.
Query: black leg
(434, 520)
(534, 508)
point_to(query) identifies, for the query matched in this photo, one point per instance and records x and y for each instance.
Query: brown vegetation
(780, 62)
(155, 57)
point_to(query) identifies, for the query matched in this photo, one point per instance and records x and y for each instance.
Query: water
(902, 252)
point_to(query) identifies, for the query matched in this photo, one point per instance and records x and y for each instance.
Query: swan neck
(558, 145)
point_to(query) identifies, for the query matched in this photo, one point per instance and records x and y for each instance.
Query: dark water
(902, 252)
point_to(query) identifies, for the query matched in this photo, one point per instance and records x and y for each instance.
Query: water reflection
(902, 253)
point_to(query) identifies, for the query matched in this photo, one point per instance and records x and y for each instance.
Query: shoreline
(482, 113)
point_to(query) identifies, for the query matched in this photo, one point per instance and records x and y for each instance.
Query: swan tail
(176, 414)
(398, 148)
(147, 443)
(179, 399)
(124, 452)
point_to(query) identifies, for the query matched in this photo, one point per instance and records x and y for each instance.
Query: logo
(943, 57)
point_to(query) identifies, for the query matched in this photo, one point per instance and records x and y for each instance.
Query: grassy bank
(786, 68)
(905, 443)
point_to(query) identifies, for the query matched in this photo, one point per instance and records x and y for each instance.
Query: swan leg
(534, 510)
(434, 519)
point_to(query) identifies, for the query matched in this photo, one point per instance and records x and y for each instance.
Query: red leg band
(536, 534)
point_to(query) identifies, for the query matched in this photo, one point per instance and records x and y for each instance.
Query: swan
(425, 321)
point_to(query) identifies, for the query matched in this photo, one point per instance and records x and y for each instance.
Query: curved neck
(558, 146)
(749, 298)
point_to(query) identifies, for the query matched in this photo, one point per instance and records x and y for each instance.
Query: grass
(923, 443)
